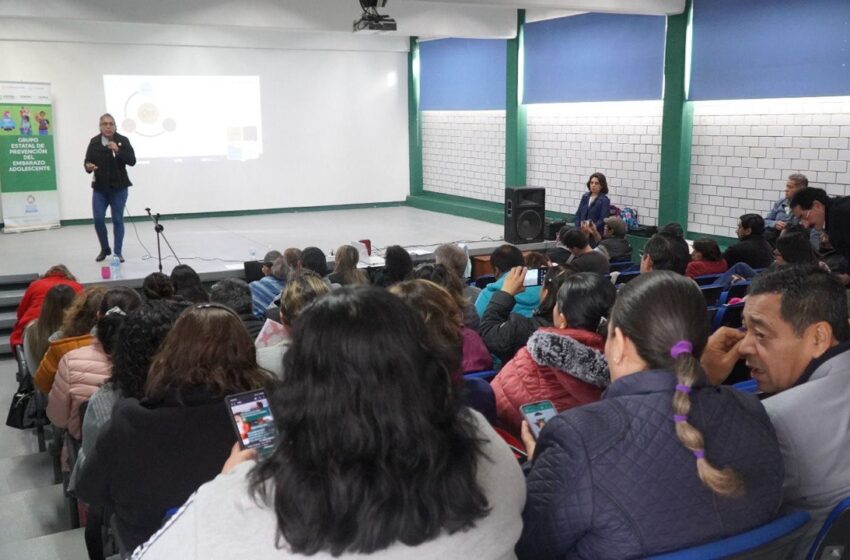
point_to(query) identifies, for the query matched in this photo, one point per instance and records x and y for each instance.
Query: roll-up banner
(28, 192)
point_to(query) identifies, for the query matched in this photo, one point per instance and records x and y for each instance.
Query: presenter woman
(594, 205)
(108, 156)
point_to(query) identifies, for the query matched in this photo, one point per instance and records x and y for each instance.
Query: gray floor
(218, 244)
(34, 521)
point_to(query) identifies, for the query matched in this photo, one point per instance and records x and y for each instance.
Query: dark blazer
(753, 250)
(152, 456)
(111, 172)
(837, 224)
(596, 212)
(503, 332)
(610, 480)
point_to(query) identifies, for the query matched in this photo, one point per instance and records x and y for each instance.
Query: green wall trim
(492, 212)
(515, 113)
(228, 213)
(676, 123)
(414, 118)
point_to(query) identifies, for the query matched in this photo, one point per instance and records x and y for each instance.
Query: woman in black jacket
(664, 461)
(504, 332)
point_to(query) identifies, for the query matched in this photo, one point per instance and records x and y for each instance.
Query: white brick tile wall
(744, 150)
(568, 142)
(463, 153)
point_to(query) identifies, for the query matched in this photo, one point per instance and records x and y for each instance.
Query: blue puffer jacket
(611, 479)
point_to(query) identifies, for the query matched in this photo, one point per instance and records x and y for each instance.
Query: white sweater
(222, 520)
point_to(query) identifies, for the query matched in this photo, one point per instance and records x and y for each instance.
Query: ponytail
(725, 482)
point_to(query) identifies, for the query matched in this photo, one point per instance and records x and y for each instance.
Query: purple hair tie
(680, 418)
(699, 453)
(681, 347)
(683, 388)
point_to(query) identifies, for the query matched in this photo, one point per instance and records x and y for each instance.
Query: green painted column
(414, 116)
(677, 123)
(515, 118)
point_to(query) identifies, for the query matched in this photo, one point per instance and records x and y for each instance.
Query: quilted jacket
(30, 306)
(611, 479)
(565, 366)
(46, 372)
(80, 373)
(505, 332)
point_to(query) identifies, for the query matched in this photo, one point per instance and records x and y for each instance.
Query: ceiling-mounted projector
(371, 21)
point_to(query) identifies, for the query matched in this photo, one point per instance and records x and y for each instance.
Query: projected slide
(216, 117)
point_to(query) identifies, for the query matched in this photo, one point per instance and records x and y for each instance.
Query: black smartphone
(253, 421)
(537, 414)
(535, 276)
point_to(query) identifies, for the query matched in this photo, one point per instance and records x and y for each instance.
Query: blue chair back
(745, 544)
(729, 316)
(625, 277)
(486, 375)
(620, 266)
(736, 290)
(833, 540)
(712, 293)
(748, 386)
(706, 279)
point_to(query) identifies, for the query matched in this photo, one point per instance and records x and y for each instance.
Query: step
(7, 320)
(67, 545)
(15, 281)
(5, 350)
(10, 298)
(32, 513)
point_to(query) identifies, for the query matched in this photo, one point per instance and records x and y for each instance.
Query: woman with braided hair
(664, 461)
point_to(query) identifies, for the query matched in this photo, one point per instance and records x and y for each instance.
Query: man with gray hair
(780, 215)
(266, 289)
(454, 258)
(235, 294)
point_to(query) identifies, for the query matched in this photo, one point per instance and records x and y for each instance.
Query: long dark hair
(81, 316)
(794, 246)
(114, 307)
(187, 284)
(376, 447)
(552, 282)
(655, 311)
(57, 300)
(585, 299)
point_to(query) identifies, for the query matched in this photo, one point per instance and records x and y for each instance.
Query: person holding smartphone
(594, 205)
(664, 461)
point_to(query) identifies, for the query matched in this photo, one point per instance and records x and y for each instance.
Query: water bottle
(252, 254)
(115, 267)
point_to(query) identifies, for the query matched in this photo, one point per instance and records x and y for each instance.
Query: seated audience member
(266, 289)
(302, 289)
(446, 278)
(30, 306)
(830, 215)
(236, 294)
(187, 284)
(584, 258)
(398, 267)
(682, 253)
(75, 333)
(594, 205)
(443, 319)
(157, 285)
(752, 249)
(612, 239)
(798, 347)
(82, 371)
(706, 259)
(564, 363)
(378, 455)
(780, 215)
(661, 253)
(345, 269)
(155, 452)
(560, 254)
(37, 333)
(533, 259)
(505, 332)
(313, 258)
(794, 247)
(502, 259)
(626, 477)
(454, 258)
(292, 256)
(139, 339)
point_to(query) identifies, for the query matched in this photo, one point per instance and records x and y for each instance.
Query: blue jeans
(115, 199)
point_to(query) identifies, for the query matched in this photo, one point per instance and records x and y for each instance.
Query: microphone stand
(159, 229)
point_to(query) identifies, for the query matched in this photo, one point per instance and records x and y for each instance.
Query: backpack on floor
(630, 216)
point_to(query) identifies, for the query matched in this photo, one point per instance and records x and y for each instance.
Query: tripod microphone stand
(160, 233)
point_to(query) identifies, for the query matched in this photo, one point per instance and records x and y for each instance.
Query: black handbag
(23, 413)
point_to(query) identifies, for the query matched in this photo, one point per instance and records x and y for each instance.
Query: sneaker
(102, 255)
(120, 257)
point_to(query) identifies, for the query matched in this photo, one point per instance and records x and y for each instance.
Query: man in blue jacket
(502, 260)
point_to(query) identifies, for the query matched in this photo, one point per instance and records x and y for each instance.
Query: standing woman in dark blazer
(594, 205)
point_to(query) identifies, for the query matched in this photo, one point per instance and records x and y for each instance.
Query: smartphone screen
(252, 419)
(537, 414)
(535, 276)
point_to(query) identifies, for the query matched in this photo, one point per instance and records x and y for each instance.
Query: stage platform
(217, 247)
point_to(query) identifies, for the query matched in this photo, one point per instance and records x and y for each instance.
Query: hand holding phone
(537, 414)
(535, 276)
(252, 420)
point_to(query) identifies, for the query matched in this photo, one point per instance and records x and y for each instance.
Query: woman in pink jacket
(82, 371)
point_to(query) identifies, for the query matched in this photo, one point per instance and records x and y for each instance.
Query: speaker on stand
(525, 209)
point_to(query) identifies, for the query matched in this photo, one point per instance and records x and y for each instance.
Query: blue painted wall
(462, 74)
(594, 57)
(754, 49)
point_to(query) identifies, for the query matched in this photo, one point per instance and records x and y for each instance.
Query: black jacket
(610, 480)
(151, 457)
(504, 332)
(838, 224)
(111, 172)
(753, 250)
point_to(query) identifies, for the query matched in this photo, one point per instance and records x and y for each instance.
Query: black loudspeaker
(524, 214)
